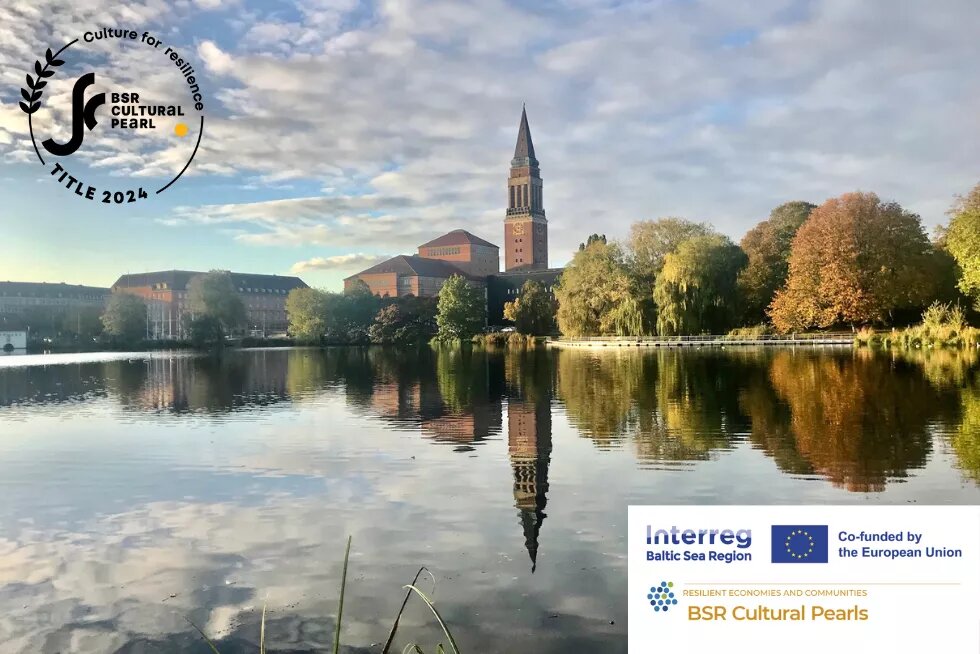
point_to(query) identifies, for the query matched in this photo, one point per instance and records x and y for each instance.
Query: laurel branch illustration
(32, 94)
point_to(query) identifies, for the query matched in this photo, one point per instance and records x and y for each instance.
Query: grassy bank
(942, 326)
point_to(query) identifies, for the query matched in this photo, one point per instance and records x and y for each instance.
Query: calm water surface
(140, 489)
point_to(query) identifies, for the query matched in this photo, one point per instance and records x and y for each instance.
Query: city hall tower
(525, 227)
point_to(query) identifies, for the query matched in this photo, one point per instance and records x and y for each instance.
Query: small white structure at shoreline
(11, 342)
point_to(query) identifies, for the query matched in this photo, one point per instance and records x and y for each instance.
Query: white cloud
(216, 60)
(703, 109)
(338, 262)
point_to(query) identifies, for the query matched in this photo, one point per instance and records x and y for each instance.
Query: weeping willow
(626, 318)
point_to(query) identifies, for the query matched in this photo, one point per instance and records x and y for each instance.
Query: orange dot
(180, 129)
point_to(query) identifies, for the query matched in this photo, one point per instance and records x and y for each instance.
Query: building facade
(13, 342)
(17, 298)
(456, 253)
(165, 293)
(51, 311)
(464, 250)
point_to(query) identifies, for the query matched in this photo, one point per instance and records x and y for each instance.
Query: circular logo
(799, 544)
(112, 108)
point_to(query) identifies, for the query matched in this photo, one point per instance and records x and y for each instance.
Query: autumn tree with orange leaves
(855, 261)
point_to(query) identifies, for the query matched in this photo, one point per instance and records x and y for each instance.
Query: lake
(143, 490)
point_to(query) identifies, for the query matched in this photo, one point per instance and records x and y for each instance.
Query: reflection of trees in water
(966, 439)
(675, 405)
(943, 367)
(770, 418)
(38, 385)
(858, 420)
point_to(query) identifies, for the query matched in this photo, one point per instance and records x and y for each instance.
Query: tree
(856, 260)
(593, 284)
(962, 240)
(125, 317)
(695, 291)
(767, 246)
(649, 244)
(593, 238)
(462, 310)
(406, 320)
(533, 311)
(306, 310)
(353, 313)
(84, 323)
(214, 294)
(652, 240)
(206, 332)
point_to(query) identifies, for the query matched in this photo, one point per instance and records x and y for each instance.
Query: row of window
(517, 291)
(443, 252)
(47, 301)
(519, 196)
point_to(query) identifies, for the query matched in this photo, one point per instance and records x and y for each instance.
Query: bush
(867, 336)
(943, 325)
(754, 331)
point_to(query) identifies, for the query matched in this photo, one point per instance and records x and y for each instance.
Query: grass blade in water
(340, 609)
(394, 627)
(442, 623)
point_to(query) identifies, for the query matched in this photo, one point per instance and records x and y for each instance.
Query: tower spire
(525, 225)
(524, 152)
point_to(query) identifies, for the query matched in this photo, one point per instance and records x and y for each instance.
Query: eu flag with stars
(799, 543)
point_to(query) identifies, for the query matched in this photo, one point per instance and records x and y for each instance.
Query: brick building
(165, 293)
(422, 275)
(50, 310)
(17, 297)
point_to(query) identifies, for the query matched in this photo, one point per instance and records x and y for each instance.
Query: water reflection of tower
(529, 441)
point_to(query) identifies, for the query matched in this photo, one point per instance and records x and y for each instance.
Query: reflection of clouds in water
(223, 560)
(228, 482)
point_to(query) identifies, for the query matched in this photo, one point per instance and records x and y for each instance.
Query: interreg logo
(661, 597)
(799, 543)
(722, 545)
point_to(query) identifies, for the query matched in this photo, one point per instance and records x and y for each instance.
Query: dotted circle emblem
(799, 544)
(662, 597)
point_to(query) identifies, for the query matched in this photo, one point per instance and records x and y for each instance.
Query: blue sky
(341, 131)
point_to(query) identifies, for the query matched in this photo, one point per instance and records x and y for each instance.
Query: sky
(340, 132)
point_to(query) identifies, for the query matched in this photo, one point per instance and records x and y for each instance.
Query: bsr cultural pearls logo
(94, 132)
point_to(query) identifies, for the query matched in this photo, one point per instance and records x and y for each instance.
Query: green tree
(125, 317)
(649, 244)
(767, 246)
(856, 260)
(349, 318)
(533, 311)
(593, 284)
(206, 332)
(214, 294)
(593, 238)
(84, 323)
(462, 310)
(306, 310)
(652, 240)
(695, 292)
(962, 240)
(404, 321)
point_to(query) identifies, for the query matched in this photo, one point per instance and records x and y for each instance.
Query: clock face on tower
(518, 229)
